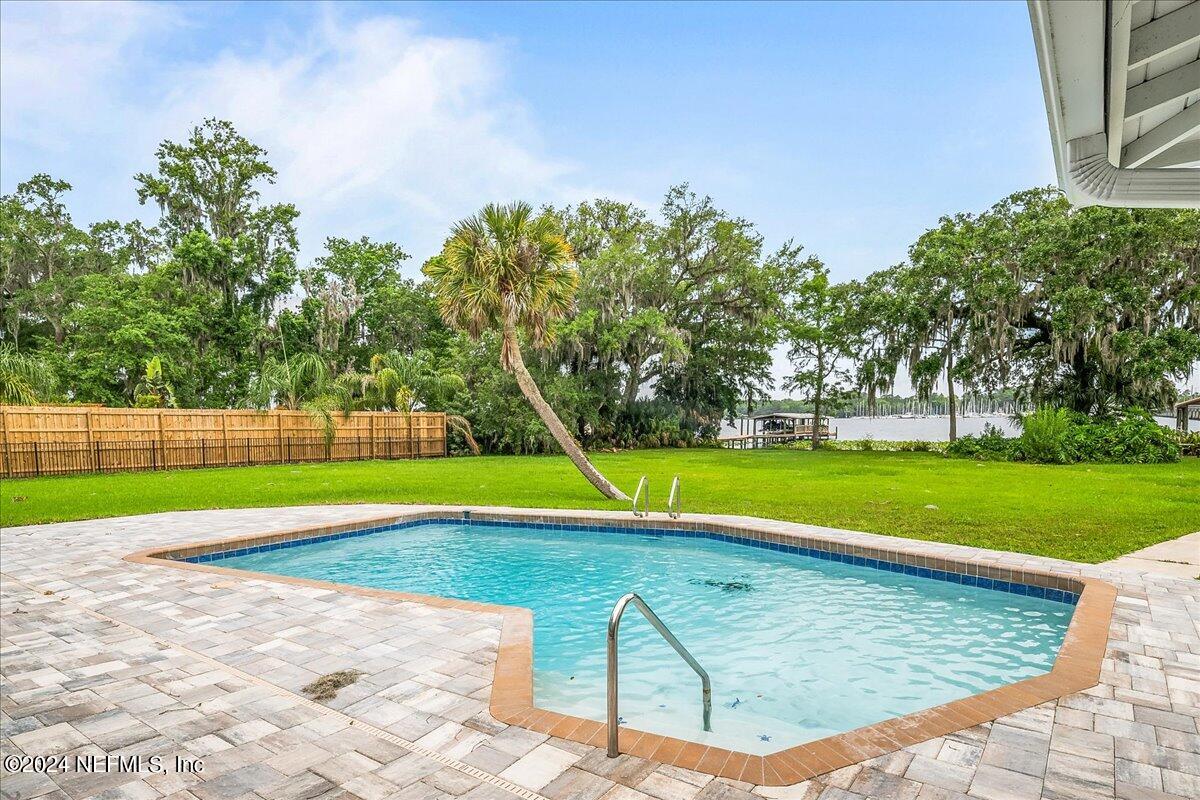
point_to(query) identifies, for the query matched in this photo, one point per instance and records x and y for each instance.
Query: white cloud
(57, 59)
(375, 126)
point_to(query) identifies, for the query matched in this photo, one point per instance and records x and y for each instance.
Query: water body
(798, 648)
(926, 429)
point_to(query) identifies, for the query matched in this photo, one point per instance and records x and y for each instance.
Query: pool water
(798, 648)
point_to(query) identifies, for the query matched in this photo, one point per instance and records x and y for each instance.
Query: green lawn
(1083, 513)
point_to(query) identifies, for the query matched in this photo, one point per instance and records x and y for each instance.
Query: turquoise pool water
(798, 648)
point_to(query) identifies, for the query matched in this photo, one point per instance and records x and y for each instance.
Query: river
(927, 429)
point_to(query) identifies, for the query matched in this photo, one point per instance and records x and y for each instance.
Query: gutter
(1086, 175)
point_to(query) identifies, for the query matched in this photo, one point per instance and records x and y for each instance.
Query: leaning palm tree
(24, 379)
(506, 269)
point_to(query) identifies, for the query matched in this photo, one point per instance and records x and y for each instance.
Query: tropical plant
(153, 390)
(302, 383)
(1044, 435)
(508, 269)
(387, 386)
(1132, 438)
(1063, 436)
(398, 382)
(25, 379)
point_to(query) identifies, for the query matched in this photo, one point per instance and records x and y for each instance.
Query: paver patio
(1179, 558)
(102, 656)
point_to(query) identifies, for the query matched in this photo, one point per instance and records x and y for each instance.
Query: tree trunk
(950, 396)
(816, 423)
(560, 433)
(816, 433)
(950, 376)
(632, 383)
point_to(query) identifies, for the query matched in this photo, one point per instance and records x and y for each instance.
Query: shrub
(1046, 436)
(1133, 439)
(991, 445)
(1060, 436)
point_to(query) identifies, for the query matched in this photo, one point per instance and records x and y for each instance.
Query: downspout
(1095, 181)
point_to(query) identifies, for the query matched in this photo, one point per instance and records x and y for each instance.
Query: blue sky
(849, 127)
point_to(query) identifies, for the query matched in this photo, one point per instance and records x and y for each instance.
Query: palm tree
(302, 383)
(506, 269)
(388, 386)
(24, 379)
(399, 382)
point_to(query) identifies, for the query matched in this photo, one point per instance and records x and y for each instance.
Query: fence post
(87, 416)
(225, 439)
(153, 455)
(203, 452)
(162, 439)
(247, 451)
(37, 461)
(99, 466)
(289, 449)
(279, 436)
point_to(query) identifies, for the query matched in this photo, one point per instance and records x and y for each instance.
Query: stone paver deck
(105, 657)
(1179, 558)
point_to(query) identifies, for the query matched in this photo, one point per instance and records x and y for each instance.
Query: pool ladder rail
(614, 624)
(643, 492)
(674, 499)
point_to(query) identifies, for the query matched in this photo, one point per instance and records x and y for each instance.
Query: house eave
(1073, 44)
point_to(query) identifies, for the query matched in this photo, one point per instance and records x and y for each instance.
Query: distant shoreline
(932, 428)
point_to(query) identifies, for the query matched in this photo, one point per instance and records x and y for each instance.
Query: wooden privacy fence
(64, 440)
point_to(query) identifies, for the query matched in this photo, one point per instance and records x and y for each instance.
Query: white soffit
(1122, 85)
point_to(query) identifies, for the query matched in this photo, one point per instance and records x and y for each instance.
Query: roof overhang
(1121, 80)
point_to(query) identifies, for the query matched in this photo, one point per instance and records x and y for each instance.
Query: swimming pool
(798, 647)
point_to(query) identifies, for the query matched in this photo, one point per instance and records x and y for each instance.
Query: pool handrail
(614, 624)
(674, 499)
(643, 485)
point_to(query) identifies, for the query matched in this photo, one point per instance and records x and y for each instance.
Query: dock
(766, 430)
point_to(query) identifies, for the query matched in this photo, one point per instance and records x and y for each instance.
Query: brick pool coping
(1076, 667)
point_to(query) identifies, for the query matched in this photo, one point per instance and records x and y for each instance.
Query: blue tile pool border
(947, 576)
(1077, 667)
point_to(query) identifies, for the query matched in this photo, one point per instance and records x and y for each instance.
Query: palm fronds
(303, 383)
(25, 380)
(505, 267)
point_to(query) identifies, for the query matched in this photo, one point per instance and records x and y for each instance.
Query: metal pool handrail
(614, 623)
(674, 500)
(643, 484)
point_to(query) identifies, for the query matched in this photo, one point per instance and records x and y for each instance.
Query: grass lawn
(1083, 513)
